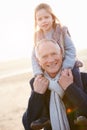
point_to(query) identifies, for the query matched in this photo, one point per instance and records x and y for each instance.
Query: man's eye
(53, 54)
(44, 57)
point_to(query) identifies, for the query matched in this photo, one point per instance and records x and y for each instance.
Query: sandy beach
(14, 94)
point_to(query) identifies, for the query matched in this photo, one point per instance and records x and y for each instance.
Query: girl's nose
(43, 20)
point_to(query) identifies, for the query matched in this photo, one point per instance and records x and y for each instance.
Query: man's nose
(50, 59)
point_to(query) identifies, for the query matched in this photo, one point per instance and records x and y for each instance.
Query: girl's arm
(70, 52)
(35, 65)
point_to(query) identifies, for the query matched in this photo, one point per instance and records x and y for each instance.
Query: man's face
(50, 58)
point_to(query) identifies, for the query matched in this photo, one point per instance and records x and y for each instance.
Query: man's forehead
(49, 48)
(45, 45)
(48, 45)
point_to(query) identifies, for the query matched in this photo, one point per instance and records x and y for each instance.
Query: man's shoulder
(31, 82)
(84, 80)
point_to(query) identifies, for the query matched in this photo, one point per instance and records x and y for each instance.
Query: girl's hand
(40, 84)
(66, 78)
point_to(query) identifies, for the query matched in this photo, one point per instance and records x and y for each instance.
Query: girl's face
(44, 20)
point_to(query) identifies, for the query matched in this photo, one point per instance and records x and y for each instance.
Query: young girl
(47, 25)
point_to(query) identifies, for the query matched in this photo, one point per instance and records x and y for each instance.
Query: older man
(65, 97)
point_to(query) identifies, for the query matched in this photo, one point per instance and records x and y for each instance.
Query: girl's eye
(46, 17)
(39, 19)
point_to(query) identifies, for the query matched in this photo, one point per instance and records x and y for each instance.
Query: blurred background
(17, 28)
(16, 43)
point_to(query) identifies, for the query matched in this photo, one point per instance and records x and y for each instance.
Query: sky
(17, 25)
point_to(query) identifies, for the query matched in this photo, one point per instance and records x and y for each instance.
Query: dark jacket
(74, 99)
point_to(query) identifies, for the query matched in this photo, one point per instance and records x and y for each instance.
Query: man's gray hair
(44, 41)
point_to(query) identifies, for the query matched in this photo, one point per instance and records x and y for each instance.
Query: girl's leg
(77, 77)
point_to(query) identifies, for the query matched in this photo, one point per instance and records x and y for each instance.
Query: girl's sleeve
(70, 53)
(35, 65)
